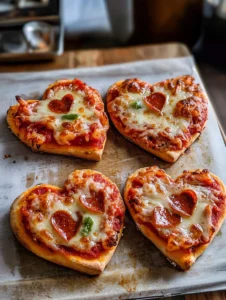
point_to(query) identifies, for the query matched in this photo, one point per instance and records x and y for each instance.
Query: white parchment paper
(137, 269)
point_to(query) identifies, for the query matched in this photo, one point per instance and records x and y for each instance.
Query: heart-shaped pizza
(164, 118)
(77, 226)
(182, 216)
(70, 120)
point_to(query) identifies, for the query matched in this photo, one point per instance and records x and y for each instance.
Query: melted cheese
(77, 107)
(87, 115)
(152, 197)
(140, 119)
(100, 229)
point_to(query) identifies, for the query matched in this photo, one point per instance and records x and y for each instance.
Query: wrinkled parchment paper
(137, 269)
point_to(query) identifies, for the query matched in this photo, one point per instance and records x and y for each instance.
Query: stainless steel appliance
(30, 29)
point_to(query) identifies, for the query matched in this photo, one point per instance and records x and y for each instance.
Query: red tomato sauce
(94, 252)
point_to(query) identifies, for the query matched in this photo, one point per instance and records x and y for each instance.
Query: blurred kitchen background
(43, 29)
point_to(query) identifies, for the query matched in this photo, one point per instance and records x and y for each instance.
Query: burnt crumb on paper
(7, 156)
(188, 150)
(14, 162)
(30, 179)
(198, 138)
(26, 158)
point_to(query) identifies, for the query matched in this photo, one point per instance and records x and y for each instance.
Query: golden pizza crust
(182, 258)
(59, 82)
(169, 156)
(90, 153)
(89, 266)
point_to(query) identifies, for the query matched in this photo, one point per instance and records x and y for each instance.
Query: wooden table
(90, 58)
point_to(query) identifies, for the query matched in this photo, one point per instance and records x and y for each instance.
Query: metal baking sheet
(137, 269)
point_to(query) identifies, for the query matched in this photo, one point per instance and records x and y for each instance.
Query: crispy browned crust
(89, 266)
(90, 153)
(169, 156)
(182, 258)
(58, 82)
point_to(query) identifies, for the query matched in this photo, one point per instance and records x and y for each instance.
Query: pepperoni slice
(65, 225)
(40, 190)
(98, 178)
(137, 183)
(95, 203)
(155, 101)
(184, 203)
(163, 218)
(61, 106)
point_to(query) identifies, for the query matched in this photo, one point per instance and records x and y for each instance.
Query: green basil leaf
(70, 117)
(87, 226)
(136, 105)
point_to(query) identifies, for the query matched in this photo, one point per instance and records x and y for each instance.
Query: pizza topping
(39, 134)
(111, 241)
(196, 231)
(98, 178)
(93, 253)
(155, 101)
(65, 225)
(137, 182)
(117, 223)
(162, 218)
(95, 203)
(215, 215)
(24, 109)
(40, 190)
(184, 203)
(178, 240)
(136, 104)
(87, 226)
(199, 177)
(70, 117)
(63, 105)
(133, 85)
(185, 212)
(22, 102)
(114, 93)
